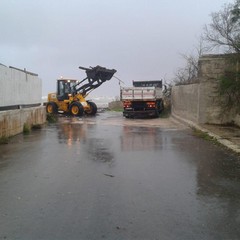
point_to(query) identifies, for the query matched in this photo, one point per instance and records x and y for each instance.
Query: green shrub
(51, 118)
(26, 128)
(36, 126)
(4, 140)
(204, 135)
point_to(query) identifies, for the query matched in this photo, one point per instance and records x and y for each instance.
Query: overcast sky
(141, 39)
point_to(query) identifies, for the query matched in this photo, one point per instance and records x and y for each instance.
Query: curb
(225, 142)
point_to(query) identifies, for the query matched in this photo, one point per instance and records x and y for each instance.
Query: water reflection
(73, 130)
(217, 170)
(78, 131)
(219, 176)
(3, 158)
(217, 186)
(140, 139)
(218, 190)
(98, 150)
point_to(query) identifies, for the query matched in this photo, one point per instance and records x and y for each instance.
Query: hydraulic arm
(95, 77)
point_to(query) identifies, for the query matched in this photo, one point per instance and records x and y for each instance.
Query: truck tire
(51, 108)
(160, 106)
(157, 113)
(93, 109)
(76, 109)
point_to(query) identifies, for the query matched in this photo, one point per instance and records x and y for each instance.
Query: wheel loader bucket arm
(96, 76)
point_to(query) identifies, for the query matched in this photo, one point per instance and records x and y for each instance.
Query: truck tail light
(127, 104)
(151, 104)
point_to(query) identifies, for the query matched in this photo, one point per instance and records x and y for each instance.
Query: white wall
(19, 87)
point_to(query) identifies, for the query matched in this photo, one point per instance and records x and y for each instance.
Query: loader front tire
(93, 109)
(51, 108)
(76, 109)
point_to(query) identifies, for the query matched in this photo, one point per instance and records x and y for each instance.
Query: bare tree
(224, 30)
(189, 73)
(223, 33)
(236, 12)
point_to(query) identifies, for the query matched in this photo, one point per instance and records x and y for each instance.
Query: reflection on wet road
(114, 178)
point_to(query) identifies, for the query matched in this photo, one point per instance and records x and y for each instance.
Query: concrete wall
(211, 68)
(202, 103)
(12, 121)
(185, 101)
(19, 87)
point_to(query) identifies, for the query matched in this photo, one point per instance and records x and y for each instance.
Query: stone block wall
(202, 103)
(12, 121)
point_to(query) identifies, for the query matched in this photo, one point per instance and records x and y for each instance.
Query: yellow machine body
(65, 101)
(70, 94)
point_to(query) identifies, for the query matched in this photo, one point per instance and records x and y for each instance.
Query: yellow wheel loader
(71, 94)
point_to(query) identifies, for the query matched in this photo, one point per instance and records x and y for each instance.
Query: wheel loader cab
(64, 88)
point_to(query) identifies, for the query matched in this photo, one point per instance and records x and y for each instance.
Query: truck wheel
(76, 109)
(51, 108)
(93, 109)
(160, 107)
(157, 113)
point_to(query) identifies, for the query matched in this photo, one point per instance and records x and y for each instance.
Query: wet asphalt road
(113, 178)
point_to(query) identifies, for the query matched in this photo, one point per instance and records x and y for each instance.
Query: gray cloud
(141, 39)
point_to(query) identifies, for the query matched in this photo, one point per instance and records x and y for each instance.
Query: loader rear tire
(93, 109)
(76, 109)
(51, 108)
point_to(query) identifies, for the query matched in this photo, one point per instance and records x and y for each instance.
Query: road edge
(225, 142)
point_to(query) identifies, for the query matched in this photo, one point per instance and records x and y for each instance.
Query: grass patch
(4, 140)
(204, 135)
(26, 128)
(51, 118)
(116, 109)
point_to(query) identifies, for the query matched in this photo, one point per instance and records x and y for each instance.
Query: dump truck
(144, 99)
(70, 97)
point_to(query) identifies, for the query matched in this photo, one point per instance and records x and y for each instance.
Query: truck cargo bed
(140, 93)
